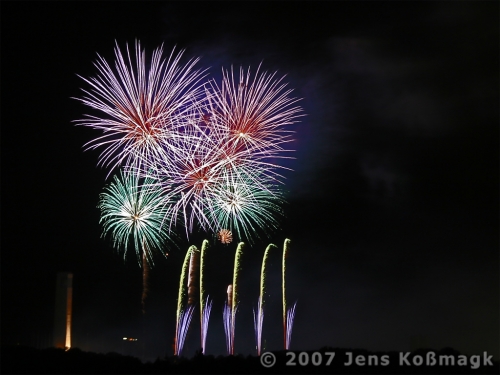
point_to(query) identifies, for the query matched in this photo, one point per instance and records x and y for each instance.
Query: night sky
(393, 204)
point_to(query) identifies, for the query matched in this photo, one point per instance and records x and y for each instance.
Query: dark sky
(393, 202)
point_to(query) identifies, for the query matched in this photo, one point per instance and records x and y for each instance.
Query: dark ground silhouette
(27, 360)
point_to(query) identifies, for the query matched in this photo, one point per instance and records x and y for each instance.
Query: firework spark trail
(204, 247)
(230, 295)
(145, 278)
(184, 322)
(205, 305)
(144, 108)
(290, 316)
(283, 290)
(193, 265)
(180, 298)
(259, 318)
(134, 210)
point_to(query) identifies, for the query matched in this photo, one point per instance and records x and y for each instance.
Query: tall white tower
(63, 310)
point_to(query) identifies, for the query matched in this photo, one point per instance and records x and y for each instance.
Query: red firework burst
(144, 105)
(253, 112)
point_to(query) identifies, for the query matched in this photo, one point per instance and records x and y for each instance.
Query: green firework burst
(133, 210)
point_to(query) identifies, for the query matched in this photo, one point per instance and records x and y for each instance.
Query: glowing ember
(225, 236)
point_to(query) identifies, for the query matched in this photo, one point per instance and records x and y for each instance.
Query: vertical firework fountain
(258, 316)
(205, 303)
(235, 301)
(231, 306)
(288, 315)
(206, 153)
(191, 284)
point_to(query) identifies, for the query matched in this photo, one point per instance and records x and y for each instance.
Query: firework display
(212, 148)
(189, 154)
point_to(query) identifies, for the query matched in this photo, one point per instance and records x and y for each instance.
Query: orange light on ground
(69, 307)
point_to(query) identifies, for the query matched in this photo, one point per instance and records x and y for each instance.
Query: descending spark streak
(290, 315)
(205, 305)
(184, 322)
(205, 317)
(145, 277)
(283, 289)
(259, 317)
(182, 293)
(227, 318)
